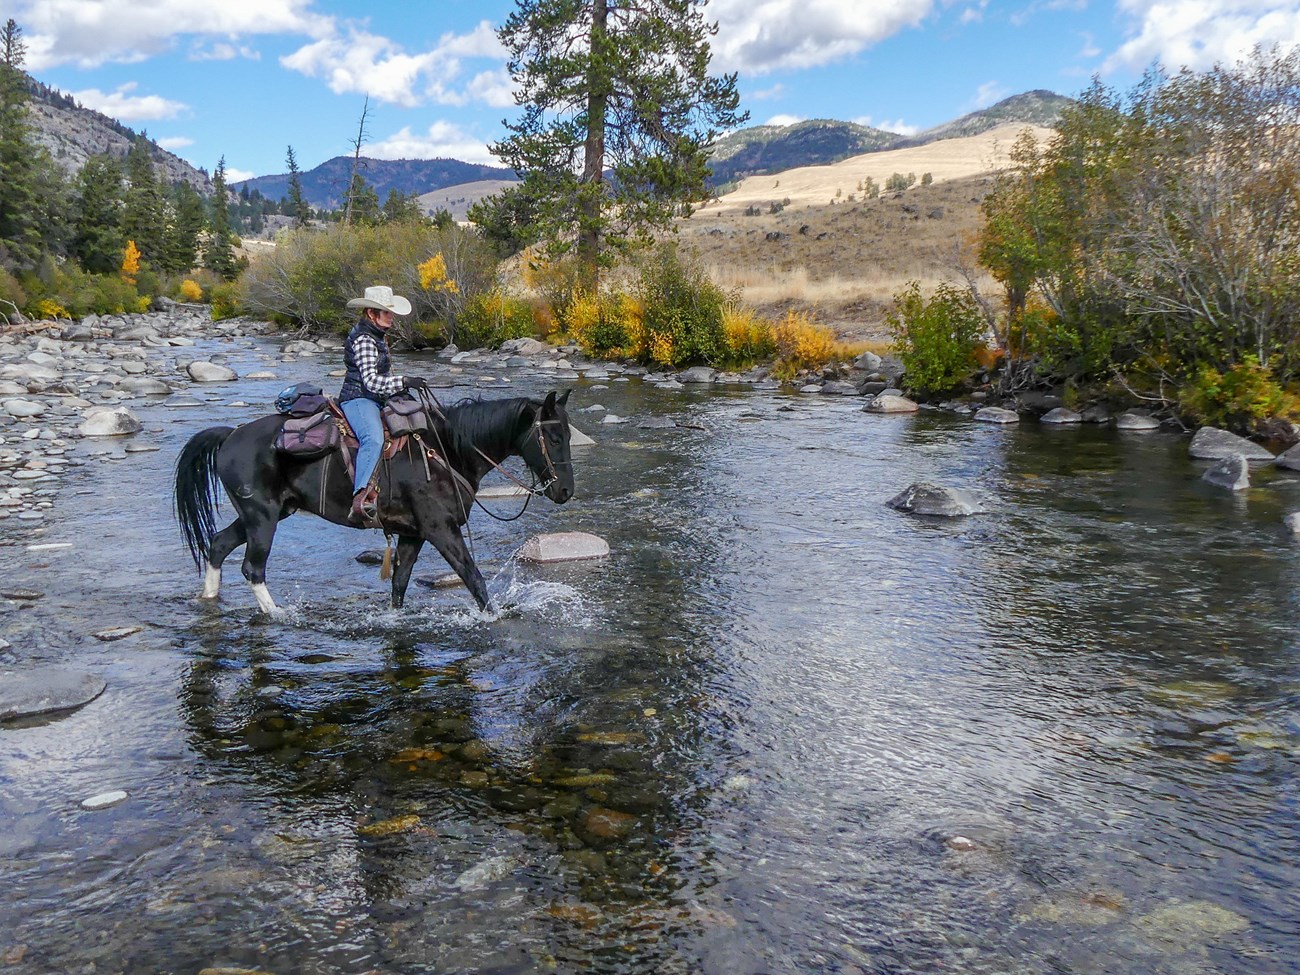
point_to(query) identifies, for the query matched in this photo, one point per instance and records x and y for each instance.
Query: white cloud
(776, 91)
(222, 51)
(757, 36)
(89, 33)
(173, 142)
(234, 175)
(369, 64)
(987, 94)
(127, 107)
(443, 139)
(1198, 33)
(783, 120)
(975, 14)
(899, 126)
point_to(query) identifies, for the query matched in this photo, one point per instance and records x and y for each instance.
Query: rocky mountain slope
(73, 134)
(326, 185)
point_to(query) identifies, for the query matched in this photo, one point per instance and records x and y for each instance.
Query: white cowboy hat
(382, 297)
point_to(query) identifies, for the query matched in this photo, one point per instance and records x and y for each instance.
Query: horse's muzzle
(559, 493)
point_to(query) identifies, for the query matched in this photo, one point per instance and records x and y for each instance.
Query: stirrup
(365, 508)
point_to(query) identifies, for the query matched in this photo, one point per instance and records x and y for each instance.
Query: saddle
(316, 426)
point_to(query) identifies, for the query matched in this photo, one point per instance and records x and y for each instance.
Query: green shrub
(78, 292)
(12, 295)
(935, 339)
(1236, 399)
(682, 310)
(226, 300)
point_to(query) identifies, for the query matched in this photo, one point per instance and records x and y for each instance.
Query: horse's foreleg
(450, 544)
(223, 543)
(408, 550)
(260, 528)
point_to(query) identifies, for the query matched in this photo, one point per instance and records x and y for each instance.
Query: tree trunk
(591, 187)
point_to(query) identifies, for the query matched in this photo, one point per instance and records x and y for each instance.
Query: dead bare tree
(356, 144)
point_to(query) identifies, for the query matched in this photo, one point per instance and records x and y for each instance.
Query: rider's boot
(365, 508)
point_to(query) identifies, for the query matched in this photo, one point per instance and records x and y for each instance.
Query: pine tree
(187, 222)
(97, 239)
(298, 208)
(219, 253)
(619, 117)
(20, 232)
(363, 203)
(144, 215)
(402, 208)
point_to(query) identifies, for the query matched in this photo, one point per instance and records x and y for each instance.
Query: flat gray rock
(210, 372)
(1232, 472)
(1211, 443)
(936, 501)
(1061, 415)
(1136, 422)
(697, 374)
(579, 439)
(563, 547)
(1289, 458)
(1292, 521)
(45, 690)
(110, 422)
(996, 414)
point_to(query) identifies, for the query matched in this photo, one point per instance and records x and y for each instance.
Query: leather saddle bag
(308, 437)
(403, 415)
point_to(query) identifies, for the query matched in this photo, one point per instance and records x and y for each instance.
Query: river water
(781, 729)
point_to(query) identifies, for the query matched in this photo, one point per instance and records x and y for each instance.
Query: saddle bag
(403, 415)
(302, 399)
(308, 437)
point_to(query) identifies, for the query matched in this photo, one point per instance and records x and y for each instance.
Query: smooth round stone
(996, 414)
(106, 422)
(181, 401)
(22, 409)
(1211, 443)
(104, 800)
(45, 690)
(1061, 415)
(210, 372)
(145, 386)
(888, 403)
(262, 374)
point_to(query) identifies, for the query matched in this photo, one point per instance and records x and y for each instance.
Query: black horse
(425, 496)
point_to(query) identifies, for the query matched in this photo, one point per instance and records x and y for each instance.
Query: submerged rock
(936, 501)
(996, 414)
(45, 690)
(1061, 415)
(1136, 422)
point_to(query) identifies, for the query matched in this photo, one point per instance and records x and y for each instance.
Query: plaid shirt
(367, 353)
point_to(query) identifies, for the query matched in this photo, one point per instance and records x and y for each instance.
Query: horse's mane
(477, 422)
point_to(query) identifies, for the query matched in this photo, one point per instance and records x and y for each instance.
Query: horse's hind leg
(223, 543)
(408, 549)
(260, 529)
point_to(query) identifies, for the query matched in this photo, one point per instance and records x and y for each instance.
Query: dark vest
(353, 388)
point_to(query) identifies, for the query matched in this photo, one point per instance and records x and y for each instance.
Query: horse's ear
(548, 407)
(564, 397)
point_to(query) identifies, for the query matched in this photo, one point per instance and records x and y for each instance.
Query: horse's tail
(198, 490)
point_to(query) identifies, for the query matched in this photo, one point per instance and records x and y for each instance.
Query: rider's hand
(415, 382)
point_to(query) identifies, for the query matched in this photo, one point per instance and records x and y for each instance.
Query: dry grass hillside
(816, 244)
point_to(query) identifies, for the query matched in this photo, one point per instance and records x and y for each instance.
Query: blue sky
(244, 79)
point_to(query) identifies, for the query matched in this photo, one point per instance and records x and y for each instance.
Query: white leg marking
(211, 583)
(264, 599)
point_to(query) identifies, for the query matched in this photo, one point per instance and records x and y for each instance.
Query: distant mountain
(1031, 108)
(772, 148)
(73, 134)
(327, 185)
(766, 149)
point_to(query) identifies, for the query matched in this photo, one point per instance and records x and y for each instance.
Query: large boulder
(932, 499)
(996, 414)
(109, 422)
(22, 409)
(697, 374)
(524, 346)
(1061, 415)
(1136, 422)
(1210, 443)
(1289, 458)
(209, 372)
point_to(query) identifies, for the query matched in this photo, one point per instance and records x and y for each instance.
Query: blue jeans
(363, 416)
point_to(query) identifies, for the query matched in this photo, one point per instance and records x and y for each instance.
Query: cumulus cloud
(898, 126)
(442, 140)
(125, 106)
(974, 14)
(173, 142)
(234, 175)
(783, 120)
(776, 91)
(223, 52)
(1198, 33)
(364, 63)
(758, 36)
(89, 33)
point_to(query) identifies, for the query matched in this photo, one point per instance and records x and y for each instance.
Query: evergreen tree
(188, 217)
(97, 238)
(363, 203)
(298, 208)
(619, 117)
(144, 215)
(402, 208)
(20, 232)
(219, 252)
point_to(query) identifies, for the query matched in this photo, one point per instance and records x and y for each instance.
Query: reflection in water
(782, 729)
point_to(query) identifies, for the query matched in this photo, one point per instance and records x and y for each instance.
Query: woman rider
(366, 386)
